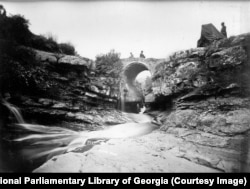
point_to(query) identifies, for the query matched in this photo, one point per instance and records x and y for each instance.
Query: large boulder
(62, 58)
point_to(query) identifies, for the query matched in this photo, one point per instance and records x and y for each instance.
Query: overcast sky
(157, 27)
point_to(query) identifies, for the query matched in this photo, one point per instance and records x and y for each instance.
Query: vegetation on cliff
(50, 85)
(20, 72)
(109, 64)
(16, 30)
(108, 68)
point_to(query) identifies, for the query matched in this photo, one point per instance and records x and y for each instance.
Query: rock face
(206, 92)
(204, 71)
(62, 58)
(73, 94)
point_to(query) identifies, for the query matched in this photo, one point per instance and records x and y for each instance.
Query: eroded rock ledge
(72, 94)
(209, 93)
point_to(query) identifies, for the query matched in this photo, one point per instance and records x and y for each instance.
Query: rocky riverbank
(155, 152)
(207, 90)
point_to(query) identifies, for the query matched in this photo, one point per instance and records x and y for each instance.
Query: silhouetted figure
(223, 29)
(142, 55)
(131, 55)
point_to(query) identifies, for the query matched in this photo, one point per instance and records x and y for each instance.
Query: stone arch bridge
(131, 68)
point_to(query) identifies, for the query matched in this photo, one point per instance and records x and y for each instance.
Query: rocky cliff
(55, 86)
(205, 92)
(73, 94)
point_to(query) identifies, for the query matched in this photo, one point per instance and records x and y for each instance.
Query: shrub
(51, 37)
(109, 64)
(15, 29)
(67, 48)
(41, 42)
(20, 73)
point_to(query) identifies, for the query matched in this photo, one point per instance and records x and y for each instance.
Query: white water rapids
(48, 141)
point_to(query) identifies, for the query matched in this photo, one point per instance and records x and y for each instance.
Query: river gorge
(67, 113)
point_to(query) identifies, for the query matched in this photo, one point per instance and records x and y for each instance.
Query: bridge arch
(131, 70)
(130, 95)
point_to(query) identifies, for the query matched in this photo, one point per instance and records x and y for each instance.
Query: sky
(159, 28)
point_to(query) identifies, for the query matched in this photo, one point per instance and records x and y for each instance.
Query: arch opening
(132, 94)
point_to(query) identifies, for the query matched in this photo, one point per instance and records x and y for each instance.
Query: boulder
(62, 59)
(75, 60)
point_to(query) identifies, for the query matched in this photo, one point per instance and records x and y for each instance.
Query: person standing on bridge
(131, 55)
(142, 55)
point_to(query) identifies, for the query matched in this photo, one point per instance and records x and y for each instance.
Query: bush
(45, 43)
(20, 73)
(67, 48)
(39, 42)
(49, 43)
(15, 29)
(109, 64)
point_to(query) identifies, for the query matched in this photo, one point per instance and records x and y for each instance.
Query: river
(26, 146)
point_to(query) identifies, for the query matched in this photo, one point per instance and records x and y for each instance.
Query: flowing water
(38, 143)
(15, 111)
